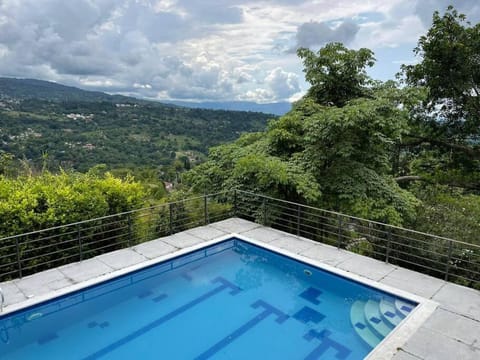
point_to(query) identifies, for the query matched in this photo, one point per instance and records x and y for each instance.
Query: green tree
(334, 149)
(446, 129)
(337, 74)
(349, 151)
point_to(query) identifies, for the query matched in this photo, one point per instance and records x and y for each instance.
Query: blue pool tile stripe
(406, 308)
(144, 294)
(311, 294)
(307, 314)
(360, 325)
(325, 344)
(268, 310)
(47, 338)
(187, 276)
(389, 314)
(375, 320)
(159, 298)
(224, 284)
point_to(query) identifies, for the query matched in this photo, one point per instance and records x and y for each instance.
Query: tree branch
(408, 178)
(467, 150)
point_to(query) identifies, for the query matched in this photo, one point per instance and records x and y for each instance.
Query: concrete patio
(451, 332)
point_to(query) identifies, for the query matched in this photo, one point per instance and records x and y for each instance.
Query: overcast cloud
(202, 50)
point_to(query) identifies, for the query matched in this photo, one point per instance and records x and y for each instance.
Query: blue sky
(203, 50)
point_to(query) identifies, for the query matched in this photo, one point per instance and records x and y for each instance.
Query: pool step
(360, 324)
(374, 319)
(389, 313)
(403, 308)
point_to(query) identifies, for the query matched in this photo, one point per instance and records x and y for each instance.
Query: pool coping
(386, 349)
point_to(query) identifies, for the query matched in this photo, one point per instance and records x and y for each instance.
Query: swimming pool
(230, 300)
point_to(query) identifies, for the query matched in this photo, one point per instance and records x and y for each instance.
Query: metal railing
(441, 257)
(438, 256)
(25, 254)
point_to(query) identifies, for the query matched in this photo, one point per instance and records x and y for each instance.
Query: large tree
(446, 129)
(333, 149)
(337, 74)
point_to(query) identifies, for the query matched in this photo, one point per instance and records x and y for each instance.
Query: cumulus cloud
(425, 9)
(191, 49)
(283, 84)
(319, 33)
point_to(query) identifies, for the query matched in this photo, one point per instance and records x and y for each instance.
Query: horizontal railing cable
(438, 256)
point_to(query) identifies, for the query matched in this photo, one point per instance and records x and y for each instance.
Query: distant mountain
(279, 108)
(51, 91)
(24, 89)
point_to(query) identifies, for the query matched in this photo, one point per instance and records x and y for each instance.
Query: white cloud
(283, 84)
(200, 50)
(319, 33)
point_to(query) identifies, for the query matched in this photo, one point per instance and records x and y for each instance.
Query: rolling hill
(74, 128)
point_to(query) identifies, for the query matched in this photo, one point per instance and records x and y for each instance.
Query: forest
(403, 152)
(78, 135)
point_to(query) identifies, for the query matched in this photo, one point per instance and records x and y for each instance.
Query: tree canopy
(357, 145)
(446, 126)
(337, 74)
(336, 157)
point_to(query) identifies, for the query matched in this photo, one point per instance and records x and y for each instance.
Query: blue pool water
(233, 300)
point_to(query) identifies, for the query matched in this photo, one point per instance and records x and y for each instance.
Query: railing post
(80, 246)
(299, 210)
(264, 206)
(170, 221)
(389, 240)
(205, 209)
(235, 209)
(19, 262)
(339, 240)
(129, 220)
(449, 259)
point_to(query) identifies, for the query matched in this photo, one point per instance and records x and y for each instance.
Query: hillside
(22, 89)
(80, 129)
(278, 108)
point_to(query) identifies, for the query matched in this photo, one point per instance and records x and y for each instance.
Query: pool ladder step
(389, 312)
(373, 320)
(359, 323)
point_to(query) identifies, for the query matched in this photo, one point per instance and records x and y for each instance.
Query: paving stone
(459, 299)
(455, 326)
(12, 293)
(206, 232)
(42, 282)
(430, 345)
(366, 267)
(327, 254)
(182, 240)
(292, 244)
(402, 355)
(414, 282)
(121, 259)
(155, 248)
(235, 225)
(264, 234)
(85, 270)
